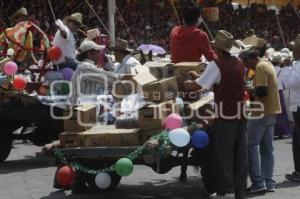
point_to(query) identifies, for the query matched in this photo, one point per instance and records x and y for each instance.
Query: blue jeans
(260, 151)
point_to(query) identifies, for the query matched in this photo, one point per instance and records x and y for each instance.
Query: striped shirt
(88, 81)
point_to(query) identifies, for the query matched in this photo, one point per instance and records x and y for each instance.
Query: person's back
(230, 92)
(187, 42)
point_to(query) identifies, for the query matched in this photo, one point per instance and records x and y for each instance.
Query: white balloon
(103, 180)
(179, 137)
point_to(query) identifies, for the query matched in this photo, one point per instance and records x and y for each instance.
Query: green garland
(162, 138)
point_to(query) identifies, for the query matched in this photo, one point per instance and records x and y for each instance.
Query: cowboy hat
(255, 41)
(88, 45)
(277, 57)
(223, 41)
(92, 34)
(21, 12)
(122, 45)
(76, 17)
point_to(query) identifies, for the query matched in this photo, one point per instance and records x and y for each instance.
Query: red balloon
(66, 176)
(19, 83)
(54, 53)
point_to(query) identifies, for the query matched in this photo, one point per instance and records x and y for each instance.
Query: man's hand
(62, 28)
(194, 75)
(191, 85)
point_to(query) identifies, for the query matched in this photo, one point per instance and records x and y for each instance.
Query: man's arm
(62, 29)
(206, 48)
(261, 82)
(210, 77)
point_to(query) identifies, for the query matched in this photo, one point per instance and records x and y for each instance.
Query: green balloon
(124, 167)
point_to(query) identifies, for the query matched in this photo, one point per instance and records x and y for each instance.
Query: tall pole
(111, 19)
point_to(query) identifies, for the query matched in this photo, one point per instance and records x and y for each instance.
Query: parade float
(23, 115)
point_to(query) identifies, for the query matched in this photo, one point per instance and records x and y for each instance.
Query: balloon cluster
(19, 82)
(66, 175)
(181, 137)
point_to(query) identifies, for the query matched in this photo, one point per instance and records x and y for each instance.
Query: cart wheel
(163, 168)
(5, 146)
(115, 180)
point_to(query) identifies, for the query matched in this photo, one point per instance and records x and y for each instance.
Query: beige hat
(92, 34)
(255, 41)
(21, 12)
(224, 41)
(88, 45)
(276, 57)
(122, 45)
(77, 17)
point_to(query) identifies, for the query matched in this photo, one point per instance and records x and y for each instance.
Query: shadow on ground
(28, 163)
(157, 189)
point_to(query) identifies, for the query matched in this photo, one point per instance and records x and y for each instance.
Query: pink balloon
(173, 121)
(10, 68)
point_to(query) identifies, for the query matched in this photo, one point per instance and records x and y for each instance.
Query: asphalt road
(25, 176)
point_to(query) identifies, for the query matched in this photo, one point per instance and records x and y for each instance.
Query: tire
(5, 146)
(115, 180)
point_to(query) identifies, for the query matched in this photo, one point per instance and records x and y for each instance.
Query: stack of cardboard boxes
(158, 83)
(81, 130)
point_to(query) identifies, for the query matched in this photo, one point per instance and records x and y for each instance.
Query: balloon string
(176, 13)
(294, 9)
(126, 27)
(94, 12)
(280, 29)
(52, 12)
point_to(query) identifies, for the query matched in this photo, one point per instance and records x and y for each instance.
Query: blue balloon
(200, 139)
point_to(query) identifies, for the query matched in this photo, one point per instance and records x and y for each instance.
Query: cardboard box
(160, 70)
(161, 91)
(146, 134)
(100, 136)
(153, 116)
(201, 111)
(182, 69)
(81, 118)
(142, 77)
(70, 140)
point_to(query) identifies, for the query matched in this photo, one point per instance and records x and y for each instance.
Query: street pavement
(25, 176)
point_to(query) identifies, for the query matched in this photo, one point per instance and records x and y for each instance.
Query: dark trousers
(230, 157)
(296, 140)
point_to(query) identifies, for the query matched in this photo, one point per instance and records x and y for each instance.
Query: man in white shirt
(123, 55)
(291, 81)
(88, 81)
(65, 40)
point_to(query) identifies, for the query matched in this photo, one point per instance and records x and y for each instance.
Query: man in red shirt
(188, 43)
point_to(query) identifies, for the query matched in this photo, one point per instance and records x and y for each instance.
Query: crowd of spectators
(152, 21)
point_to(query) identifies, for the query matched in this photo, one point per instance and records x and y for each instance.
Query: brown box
(146, 134)
(82, 118)
(153, 116)
(100, 136)
(70, 140)
(161, 91)
(201, 111)
(160, 70)
(182, 69)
